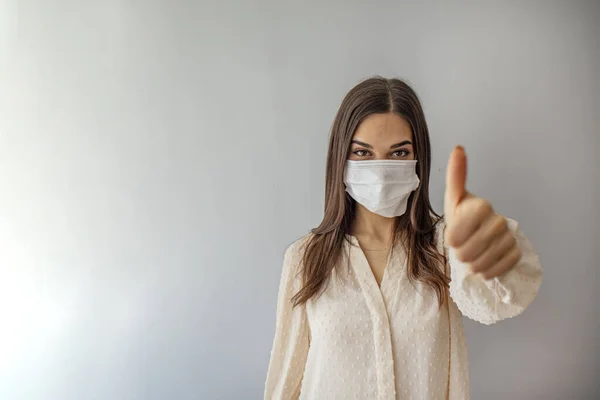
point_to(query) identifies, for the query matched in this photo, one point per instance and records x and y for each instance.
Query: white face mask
(382, 186)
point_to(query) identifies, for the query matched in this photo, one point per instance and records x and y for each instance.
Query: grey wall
(157, 157)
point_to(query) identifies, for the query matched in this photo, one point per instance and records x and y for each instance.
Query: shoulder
(292, 260)
(295, 251)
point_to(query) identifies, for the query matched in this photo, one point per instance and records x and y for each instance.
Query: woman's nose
(382, 156)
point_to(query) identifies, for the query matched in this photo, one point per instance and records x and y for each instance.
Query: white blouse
(359, 340)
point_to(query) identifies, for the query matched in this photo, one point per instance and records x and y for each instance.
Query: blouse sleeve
(291, 343)
(502, 297)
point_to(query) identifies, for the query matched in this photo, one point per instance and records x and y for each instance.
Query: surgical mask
(381, 186)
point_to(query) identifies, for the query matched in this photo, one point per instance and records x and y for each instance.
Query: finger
(467, 219)
(507, 262)
(491, 229)
(494, 253)
(456, 177)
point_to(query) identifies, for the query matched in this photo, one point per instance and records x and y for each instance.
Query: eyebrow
(368, 146)
(401, 144)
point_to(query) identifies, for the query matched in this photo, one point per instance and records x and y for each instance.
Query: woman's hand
(479, 236)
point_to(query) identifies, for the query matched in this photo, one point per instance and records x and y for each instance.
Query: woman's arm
(506, 296)
(291, 343)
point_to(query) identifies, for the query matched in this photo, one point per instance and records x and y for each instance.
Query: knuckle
(510, 242)
(477, 266)
(511, 259)
(453, 237)
(461, 254)
(499, 224)
(483, 206)
(517, 254)
(487, 275)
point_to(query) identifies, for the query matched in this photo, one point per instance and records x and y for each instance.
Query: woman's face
(382, 137)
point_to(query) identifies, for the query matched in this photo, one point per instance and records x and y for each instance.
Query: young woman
(370, 303)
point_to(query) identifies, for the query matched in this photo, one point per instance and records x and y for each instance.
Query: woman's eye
(401, 153)
(361, 153)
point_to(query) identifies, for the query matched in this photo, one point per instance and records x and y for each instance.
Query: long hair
(323, 249)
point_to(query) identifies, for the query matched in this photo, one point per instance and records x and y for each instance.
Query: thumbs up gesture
(479, 236)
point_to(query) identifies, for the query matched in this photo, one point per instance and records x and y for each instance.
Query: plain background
(156, 158)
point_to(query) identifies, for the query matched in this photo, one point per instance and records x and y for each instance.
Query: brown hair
(324, 247)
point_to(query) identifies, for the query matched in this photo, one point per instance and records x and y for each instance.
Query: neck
(367, 223)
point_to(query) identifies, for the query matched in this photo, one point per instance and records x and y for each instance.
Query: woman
(370, 302)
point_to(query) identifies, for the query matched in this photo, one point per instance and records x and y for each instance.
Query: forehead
(383, 129)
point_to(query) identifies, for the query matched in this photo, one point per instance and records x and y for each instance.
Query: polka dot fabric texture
(358, 340)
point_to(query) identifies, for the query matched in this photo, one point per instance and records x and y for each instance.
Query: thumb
(456, 177)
